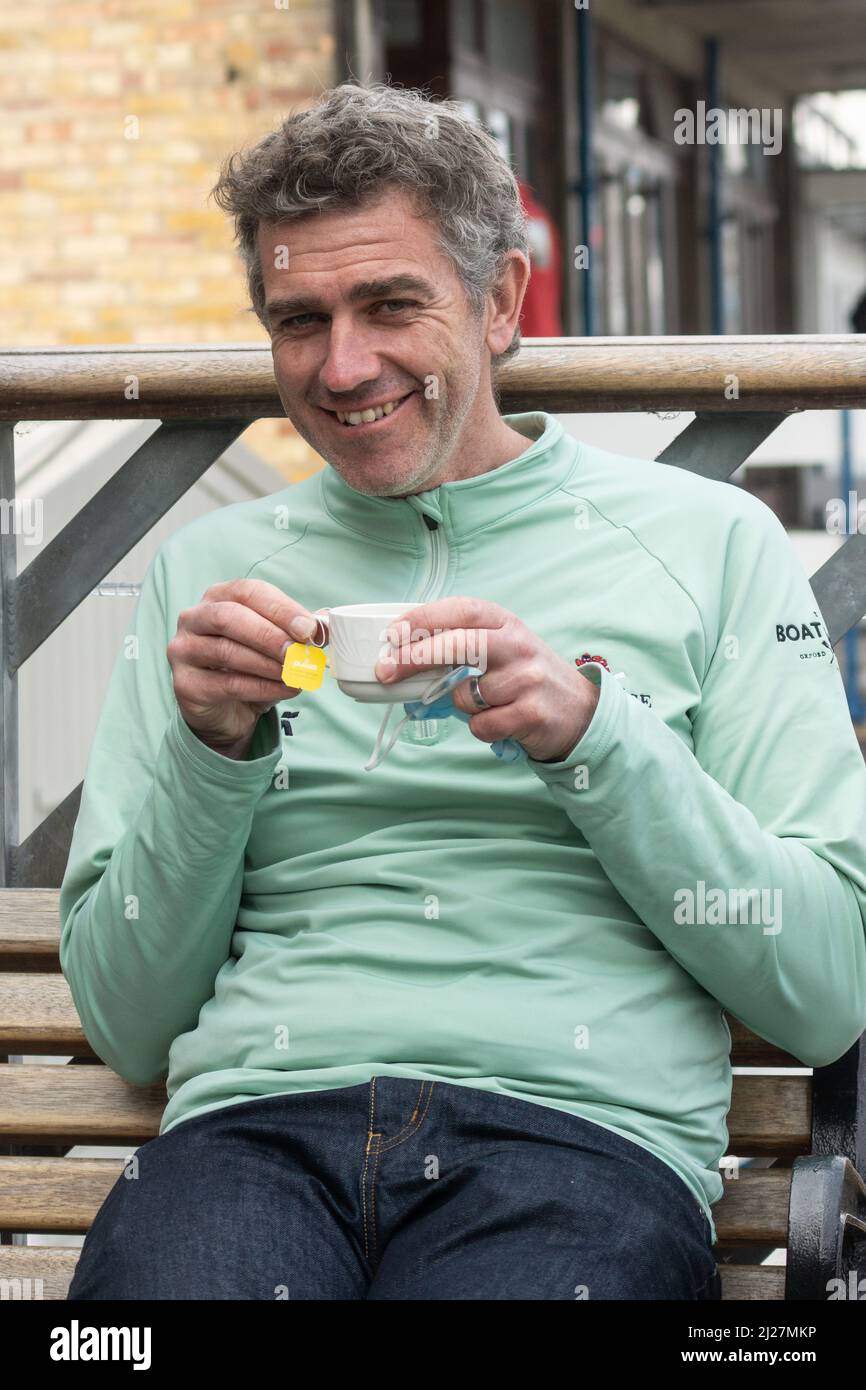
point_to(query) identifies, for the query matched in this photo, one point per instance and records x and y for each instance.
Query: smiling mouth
(366, 419)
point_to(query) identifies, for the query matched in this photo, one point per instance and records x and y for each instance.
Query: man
(452, 1029)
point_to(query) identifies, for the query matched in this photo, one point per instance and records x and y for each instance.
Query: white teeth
(366, 417)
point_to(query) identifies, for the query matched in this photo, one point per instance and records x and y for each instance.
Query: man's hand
(535, 696)
(227, 658)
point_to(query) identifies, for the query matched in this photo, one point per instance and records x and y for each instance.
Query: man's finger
(235, 622)
(498, 688)
(444, 613)
(269, 602)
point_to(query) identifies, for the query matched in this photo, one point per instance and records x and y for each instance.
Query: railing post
(9, 678)
(714, 196)
(583, 31)
(852, 636)
(8, 690)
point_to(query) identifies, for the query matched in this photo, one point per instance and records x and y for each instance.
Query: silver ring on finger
(477, 698)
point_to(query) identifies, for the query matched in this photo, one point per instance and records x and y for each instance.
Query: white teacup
(357, 640)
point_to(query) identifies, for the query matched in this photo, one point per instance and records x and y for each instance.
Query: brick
(140, 252)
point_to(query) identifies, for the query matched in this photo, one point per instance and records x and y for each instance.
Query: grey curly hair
(356, 143)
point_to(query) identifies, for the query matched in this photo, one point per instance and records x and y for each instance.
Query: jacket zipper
(427, 730)
(437, 549)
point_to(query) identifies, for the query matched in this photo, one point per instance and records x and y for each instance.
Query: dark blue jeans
(396, 1189)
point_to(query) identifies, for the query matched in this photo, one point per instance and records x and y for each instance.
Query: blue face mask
(436, 703)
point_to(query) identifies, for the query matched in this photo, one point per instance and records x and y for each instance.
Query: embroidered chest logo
(811, 632)
(620, 675)
(285, 720)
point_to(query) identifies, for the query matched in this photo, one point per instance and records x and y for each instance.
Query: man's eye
(303, 320)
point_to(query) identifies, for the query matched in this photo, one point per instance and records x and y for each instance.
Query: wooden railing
(809, 372)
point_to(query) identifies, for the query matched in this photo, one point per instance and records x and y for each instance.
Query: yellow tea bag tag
(304, 667)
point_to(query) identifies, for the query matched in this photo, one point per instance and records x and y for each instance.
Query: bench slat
(29, 929)
(748, 1050)
(752, 1282)
(769, 1115)
(55, 1104)
(60, 1195)
(38, 1015)
(754, 1208)
(29, 920)
(36, 1271)
(64, 1195)
(43, 1272)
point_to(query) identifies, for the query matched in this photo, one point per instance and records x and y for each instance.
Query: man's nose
(350, 359)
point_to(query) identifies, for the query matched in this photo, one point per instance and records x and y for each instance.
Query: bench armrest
(826, 1230)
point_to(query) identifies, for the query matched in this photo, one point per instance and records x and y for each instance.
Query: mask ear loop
(379, 754)
(434, 690)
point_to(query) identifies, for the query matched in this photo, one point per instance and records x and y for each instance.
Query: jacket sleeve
(773, 798)
(150, 894)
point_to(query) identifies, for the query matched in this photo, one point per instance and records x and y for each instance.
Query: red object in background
(540, 315)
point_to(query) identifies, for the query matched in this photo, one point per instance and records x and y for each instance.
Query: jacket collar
(463, 507)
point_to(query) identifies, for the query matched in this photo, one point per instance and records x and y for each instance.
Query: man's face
(377, 316)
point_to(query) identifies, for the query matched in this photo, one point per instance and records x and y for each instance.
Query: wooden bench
(807, 1202)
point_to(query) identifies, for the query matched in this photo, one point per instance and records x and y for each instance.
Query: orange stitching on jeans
(414, 1113)
(373, 1197)
(401, 1137)
(370, 1136)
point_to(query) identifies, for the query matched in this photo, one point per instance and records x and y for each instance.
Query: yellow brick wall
(114, 118)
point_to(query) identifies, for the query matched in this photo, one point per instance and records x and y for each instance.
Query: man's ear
(505, 302)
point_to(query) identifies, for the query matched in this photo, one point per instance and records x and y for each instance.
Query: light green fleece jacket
(566, 933)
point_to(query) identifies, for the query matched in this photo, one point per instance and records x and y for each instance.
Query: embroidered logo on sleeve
(811, 637)
(585, 656)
